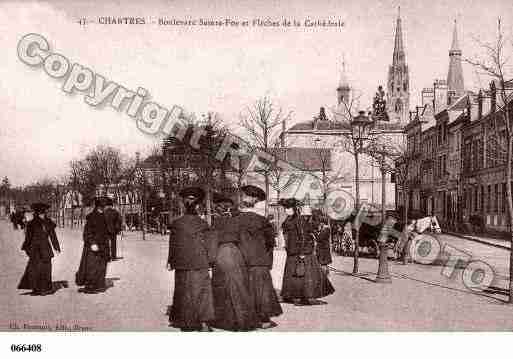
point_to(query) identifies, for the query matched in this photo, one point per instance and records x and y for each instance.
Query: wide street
(419, 298)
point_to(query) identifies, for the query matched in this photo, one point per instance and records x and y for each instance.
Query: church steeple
(455, 83)
(343, 89)
(399, 57)
(398, 86)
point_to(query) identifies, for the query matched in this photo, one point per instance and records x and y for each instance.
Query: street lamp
(361, 126)
(162, 196)
(383, 275)
(141, 179)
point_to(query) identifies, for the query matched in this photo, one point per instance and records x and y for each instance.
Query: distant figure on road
(95, 254)
(193, 306)
(257, 238)
(114, 222)
(407, 241)
(233, 304)
(14, 221)
(304, 278)
(40, 238)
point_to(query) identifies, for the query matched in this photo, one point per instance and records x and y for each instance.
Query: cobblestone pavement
(420, 297)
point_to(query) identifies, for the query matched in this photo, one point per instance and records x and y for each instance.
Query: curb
(478, 240)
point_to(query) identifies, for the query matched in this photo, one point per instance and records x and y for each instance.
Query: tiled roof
(341, 126)
(306, 159)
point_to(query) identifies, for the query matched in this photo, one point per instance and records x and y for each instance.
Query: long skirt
(312, 283)
(234, 307)
(92, 269)
(263, 293)
(193, 303)
(37, 276)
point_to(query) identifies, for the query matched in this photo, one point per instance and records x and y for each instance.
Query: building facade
(459, 173)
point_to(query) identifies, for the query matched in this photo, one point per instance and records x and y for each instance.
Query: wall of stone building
(494, 211)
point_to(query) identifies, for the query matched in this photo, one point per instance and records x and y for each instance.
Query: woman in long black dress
(40, 242)
(305, 278)
(233, 305)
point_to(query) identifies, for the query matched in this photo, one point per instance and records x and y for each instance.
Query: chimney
(440, 95)
(469, 110)
(493, 97)
(480, 105)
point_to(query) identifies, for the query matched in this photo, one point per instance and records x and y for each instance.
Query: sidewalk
(499, 243)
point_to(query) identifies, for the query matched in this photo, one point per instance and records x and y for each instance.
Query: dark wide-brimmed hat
(253, 191)
(290, 202)
(193, 193)
(220, 198)
(39, 207)
(109, 201)
(100, 201)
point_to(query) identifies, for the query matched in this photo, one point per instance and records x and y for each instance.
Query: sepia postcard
(255, 166)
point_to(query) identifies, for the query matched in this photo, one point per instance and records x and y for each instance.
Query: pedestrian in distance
(304, 280)
(189, 258)
(233, 304)
(95, 254)
(409, 242)
(40, 244)
(257, 242)
(14, 222)
(114, 222)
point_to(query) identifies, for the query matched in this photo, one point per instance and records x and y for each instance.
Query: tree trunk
(383, 195)
(357, 205)
(406, 204)
(266, 194)
(208, 204)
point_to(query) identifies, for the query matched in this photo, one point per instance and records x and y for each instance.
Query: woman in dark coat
(304, 280)
(234, 309)
(258, 239)
(40, 238)
(95, 254)
(193, 306)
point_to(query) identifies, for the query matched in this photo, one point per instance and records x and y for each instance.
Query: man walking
(95, 254)
(113, 219)
(257, 241)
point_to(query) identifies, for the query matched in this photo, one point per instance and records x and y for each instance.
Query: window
(496, 205)
(482, 204)
(476, 202)
(489, 198)
(504, 197)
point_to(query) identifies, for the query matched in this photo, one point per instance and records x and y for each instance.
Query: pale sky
(212, 69)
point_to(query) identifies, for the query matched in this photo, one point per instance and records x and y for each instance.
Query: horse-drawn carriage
(344, 232)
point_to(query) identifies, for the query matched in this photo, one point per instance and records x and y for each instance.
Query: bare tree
(494, 63)
(354, 143)
(383, 154)
(261, 122)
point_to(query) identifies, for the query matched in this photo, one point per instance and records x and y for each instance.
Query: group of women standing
(223, 277)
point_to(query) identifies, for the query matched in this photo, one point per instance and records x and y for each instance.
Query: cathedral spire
(455, 45)
(398, 56)
(343, 89)
(455, 83)
(343, 82)
(398, 85)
